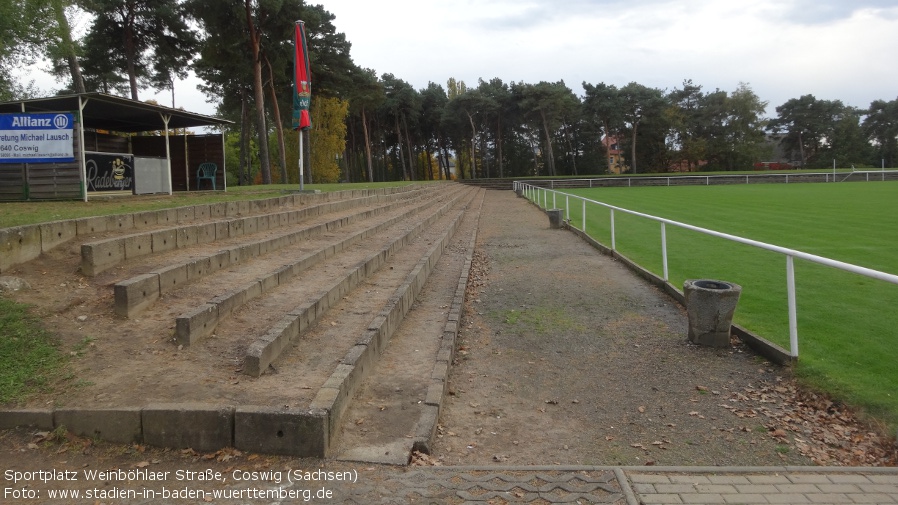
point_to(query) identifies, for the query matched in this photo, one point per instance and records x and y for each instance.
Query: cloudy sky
(833, 49)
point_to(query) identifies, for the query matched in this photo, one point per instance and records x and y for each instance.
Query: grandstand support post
(664, 250)
(793, 316)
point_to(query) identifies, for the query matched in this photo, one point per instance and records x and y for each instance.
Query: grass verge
(30, 360)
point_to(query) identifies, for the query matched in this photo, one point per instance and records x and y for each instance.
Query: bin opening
(712, 285)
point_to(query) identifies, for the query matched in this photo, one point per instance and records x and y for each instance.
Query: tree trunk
(278, 125)
(399, 146)
(473, 146)
(551, 157)
(633, 150)
(130, 51)
(428, 176)
(570, 147)
(535, 161)
(71, 55)
(412, 166)
(445, 154)
(254, 42)
(367, 146)
(499, 144)
(384, 156)
(244, 142)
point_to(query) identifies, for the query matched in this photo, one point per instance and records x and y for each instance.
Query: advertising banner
(302, 80)
(36, 138)
(109, 172)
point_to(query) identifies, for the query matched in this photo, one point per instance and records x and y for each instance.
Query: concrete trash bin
(710, 305)
(556, 217)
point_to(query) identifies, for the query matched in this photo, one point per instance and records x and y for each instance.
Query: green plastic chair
(206, 171)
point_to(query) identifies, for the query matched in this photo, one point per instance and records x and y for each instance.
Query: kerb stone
(198, 426)
(138, 245)
(100, 256)
(37, 418)
(18, 245)
(118, 425)
(135, 294)
(196, 324)
(57, 232)
(289, 432)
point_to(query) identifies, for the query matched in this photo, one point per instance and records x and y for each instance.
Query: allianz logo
(59, 121)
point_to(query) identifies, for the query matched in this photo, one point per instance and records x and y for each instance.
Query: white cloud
(833, 49)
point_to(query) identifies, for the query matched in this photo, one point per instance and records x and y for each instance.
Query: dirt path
(567, 357)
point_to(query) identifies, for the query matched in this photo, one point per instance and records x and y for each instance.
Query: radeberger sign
(36, 138)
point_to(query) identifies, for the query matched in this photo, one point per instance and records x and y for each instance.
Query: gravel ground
(567, 357)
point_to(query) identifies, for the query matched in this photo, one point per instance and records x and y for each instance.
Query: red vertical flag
(302, 81)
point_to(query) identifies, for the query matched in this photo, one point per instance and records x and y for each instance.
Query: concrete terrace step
(336, 394)
(198, 322)
(212, 420)
(102, 255)
(267, 348)
(495, 184)
(133, 295)
(397, 407)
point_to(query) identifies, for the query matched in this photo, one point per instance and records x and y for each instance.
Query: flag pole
(300, 160)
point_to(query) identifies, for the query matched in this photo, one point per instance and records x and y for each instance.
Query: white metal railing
(710, 180)
(540, 196)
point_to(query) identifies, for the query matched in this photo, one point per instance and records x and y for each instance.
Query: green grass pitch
(847, 324)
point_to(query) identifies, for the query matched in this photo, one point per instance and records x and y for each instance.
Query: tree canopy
(380, 127)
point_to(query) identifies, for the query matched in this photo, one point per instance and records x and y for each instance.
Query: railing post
(554, 202)
(613, 243)
(793, 316)
(584, 216)
(664, 249)
(567, 206)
